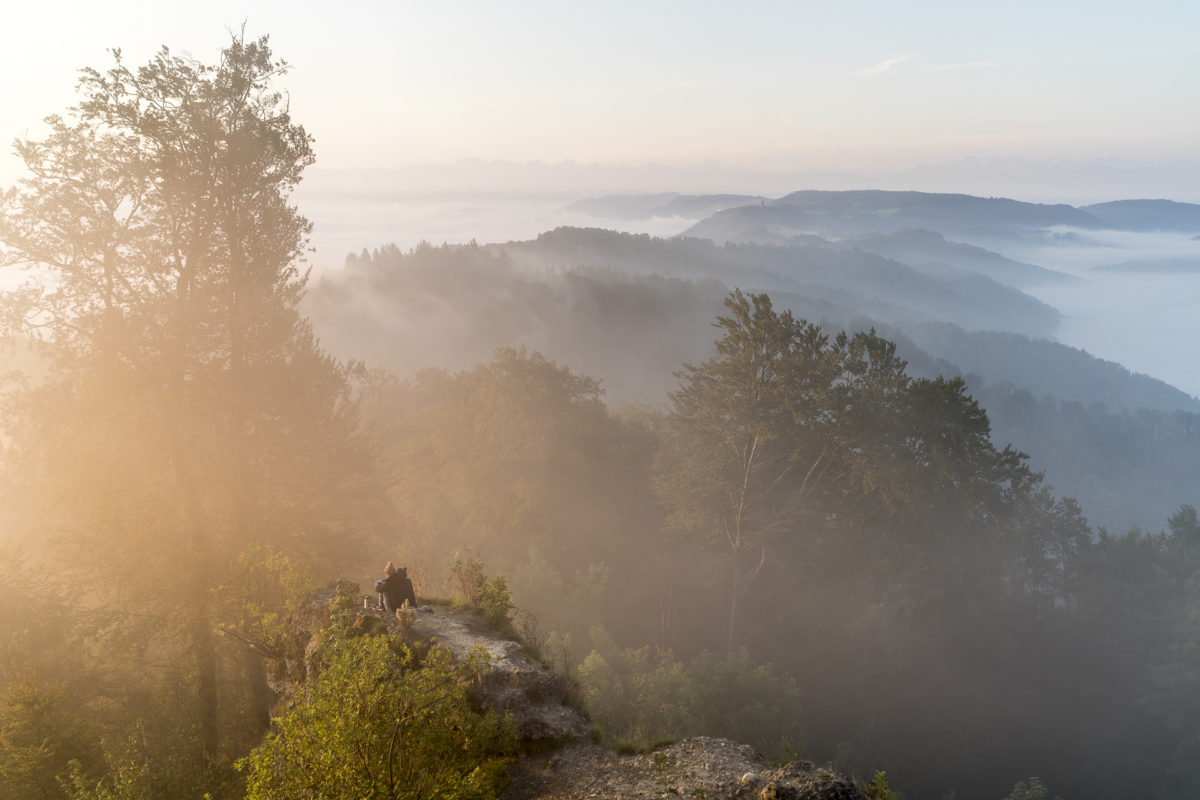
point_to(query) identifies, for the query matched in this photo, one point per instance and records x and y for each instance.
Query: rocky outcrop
(701, 767)
(563, 764)
(516, 685)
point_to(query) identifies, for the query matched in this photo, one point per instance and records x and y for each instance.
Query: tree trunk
(261, 695)
(734, 591)
(206, 687)
(665, 600)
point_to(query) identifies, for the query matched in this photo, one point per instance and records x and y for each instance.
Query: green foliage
(490, 595)
(467, 578)
(345, 600)
(737, 461)
(262, 592)
(381, 721)
(743, 700)
(568, 606)
(127, 780)
(41, 733)
(406, 616)
(517, 451)
(647, 696)
(554, 649)
(787, 429)
(495, 600)
(130, 772)
(733, 431)
(877, 788)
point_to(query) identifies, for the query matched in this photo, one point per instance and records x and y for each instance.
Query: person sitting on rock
(396, 588)
(381, 586)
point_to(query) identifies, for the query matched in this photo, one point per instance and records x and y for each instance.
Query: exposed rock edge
(564, 765)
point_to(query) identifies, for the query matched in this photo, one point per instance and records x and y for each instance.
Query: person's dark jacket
(397, 589)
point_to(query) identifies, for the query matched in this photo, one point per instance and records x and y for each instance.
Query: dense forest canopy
(596, 300)
(809, 544)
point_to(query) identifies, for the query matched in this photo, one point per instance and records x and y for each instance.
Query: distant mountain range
(879, 211)
(1148, 215)
(630, 308)
(837, 214)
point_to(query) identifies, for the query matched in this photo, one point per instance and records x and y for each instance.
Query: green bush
(131, 771)
(467, 579)
(495, 601)
(490, 596)
(381, 721)
(878, 789)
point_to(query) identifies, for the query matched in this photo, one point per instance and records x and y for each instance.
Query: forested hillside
(453, 305)
(888, 290)
(1129, 465)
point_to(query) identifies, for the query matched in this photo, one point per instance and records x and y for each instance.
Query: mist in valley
(1142, 318)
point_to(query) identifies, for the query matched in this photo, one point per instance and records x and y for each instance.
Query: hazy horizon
(773, 87)
(1142, 322)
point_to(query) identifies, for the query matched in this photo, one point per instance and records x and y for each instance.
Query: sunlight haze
(863, 86)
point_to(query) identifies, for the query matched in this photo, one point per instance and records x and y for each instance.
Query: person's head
(404, 572)
(390, 569)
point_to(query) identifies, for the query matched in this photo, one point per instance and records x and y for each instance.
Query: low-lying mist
(1144, 320)
(348, 222)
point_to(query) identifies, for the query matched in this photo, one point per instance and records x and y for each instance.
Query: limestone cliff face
(564, 764)
(517, 684)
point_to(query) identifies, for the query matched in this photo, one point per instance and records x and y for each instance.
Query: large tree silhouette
(188, 408)
(747, 441)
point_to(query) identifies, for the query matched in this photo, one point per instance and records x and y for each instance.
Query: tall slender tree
(747, 439)
(188, 407)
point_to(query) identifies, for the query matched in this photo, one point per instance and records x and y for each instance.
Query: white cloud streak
(883, 66)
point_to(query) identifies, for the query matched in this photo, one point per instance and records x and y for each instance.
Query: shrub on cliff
(379, 720)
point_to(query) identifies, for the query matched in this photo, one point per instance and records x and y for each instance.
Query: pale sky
(759, 84)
